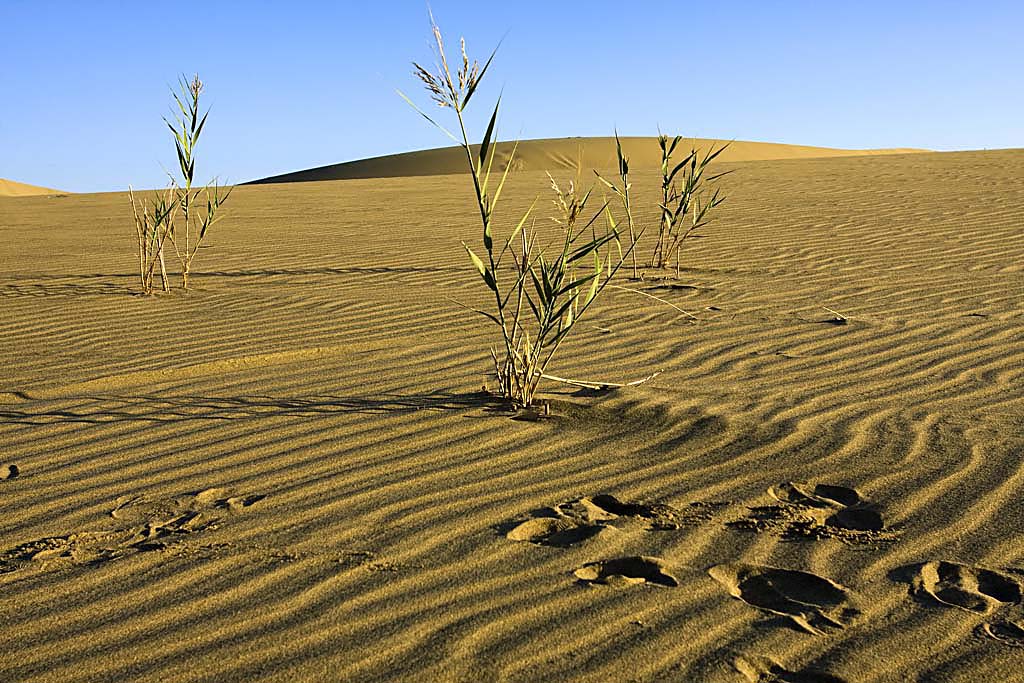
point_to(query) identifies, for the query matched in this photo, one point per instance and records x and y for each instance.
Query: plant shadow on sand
(608, 412)
(143, 408)
(92, 284)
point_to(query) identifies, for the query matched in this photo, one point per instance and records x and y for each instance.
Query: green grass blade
(504, 175)
(484, 273)
(199, 129)
(517, 230)
(479, 77)
(477, 310)
(426, 116)
(485, 145)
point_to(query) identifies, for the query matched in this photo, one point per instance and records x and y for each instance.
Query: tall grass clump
(153, 225)
(199, 207)
(538, 291)
(685, 204)
(184, 213)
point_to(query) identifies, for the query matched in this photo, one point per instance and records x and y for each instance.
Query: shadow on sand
(91, 284)
(113, 408)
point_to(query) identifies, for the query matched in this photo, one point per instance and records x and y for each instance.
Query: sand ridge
(390, 522)
(560, 154)
(11, 188)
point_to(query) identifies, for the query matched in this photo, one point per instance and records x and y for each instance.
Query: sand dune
(558, 154)
(290, 473)
(10, 188)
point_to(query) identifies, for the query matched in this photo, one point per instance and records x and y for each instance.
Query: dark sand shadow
(156, 408)
(93, 284)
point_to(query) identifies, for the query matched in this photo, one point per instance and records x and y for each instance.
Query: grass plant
(684, 208)
(621, 190)
(199, 207)
(539, 291)
(153, 225)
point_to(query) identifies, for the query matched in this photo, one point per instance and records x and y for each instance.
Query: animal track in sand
(973, 589)
(759, 669)
(817, 511)
(577, 520)
(812, 602)
(146, 524)
(627, 571)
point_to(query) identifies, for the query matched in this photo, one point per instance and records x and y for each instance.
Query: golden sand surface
(562, 154)
(289, 473)
(10, 188)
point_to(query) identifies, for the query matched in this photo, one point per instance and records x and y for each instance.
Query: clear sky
(307, 83)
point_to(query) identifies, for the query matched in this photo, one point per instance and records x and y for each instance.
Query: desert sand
(289, 473)
(560, 154)
(10, 188)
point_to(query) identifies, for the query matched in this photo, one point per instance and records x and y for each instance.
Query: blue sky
(302, 84)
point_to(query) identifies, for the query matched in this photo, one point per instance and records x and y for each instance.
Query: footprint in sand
(812, 602)
(146, 524)
(973, 589)
(88, 547)
(220, 498)
(162, 518)
(207, 501)
(817, 511)
(816, 495)
(759, 669)
(8, 471)
(627, 571)
(577, 520)
(556, 531)
(1006, 632)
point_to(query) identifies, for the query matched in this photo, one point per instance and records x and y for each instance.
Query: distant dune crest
(554, 155)
(10, 188)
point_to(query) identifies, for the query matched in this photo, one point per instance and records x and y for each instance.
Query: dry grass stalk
(153, 225)
(597, 384)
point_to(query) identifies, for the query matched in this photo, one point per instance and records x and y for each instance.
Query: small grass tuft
(153, 225)
(684, 208)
